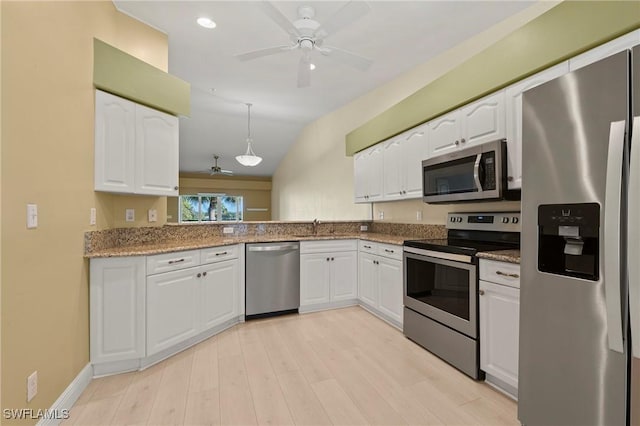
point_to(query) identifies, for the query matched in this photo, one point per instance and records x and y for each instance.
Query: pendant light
(249, 158)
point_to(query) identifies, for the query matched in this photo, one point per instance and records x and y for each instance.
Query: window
(210, 208)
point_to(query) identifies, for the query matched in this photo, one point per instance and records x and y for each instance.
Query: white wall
(315, 178)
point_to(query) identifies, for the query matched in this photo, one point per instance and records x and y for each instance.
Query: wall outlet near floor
(130, 215)
(419, 215)
(32, 385)
(227, 230)
(364, 228)
(32, 216)
(92, 216)
(153, 215)
(381, 215)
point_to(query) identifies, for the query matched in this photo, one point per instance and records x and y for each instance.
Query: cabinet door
(368, 279)
(499, 319)
(114, 144)
(444, 134)
(375, 175)
(219, 292)
(514, 119)
(344, 275)
(483, 120)
(390, 287)
(415, 150)
(360, 184)
(393, 169)
(173, 302)
(117, 309)
(314, 279)
(157, 136)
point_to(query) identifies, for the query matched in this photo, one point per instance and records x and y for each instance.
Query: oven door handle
(476, 173)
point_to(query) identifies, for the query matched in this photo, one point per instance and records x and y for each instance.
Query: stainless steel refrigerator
(580, 287)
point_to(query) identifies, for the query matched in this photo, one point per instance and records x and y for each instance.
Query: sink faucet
(315, 224)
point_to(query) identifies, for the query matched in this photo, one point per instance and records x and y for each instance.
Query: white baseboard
(70, 395)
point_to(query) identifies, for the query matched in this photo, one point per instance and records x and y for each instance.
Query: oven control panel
(493, 221)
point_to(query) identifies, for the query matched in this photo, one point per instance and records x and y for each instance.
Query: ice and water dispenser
(569, 239)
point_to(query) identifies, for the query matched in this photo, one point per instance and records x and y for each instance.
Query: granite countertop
(510, 256)
(166, 247)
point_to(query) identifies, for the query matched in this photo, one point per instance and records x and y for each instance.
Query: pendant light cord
(249, 121)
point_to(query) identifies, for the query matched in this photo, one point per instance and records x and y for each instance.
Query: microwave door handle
(611, 253)
(476, 173)
(633, 242)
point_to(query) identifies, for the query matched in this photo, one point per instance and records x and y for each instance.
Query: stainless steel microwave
(477, 173)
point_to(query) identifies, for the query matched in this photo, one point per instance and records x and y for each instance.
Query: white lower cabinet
(328, 274)
(380, 280)
(143, 309)
(499, 320)
(172, 308)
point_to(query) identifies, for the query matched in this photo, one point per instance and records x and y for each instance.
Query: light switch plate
(381, 215)
(92, 216)
(32, 216)
(419, 215)
(227, 230)
(364, 228)
(130, 215)
(153, 215)
(32, 385)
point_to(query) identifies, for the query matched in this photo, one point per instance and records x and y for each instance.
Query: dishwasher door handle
(275, 248)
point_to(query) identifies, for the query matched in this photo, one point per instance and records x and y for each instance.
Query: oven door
(442, 289)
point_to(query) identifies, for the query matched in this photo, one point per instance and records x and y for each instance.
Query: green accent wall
(568, 29)
(124, 75)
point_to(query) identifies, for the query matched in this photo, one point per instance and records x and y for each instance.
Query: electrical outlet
(153, 215)
(130, 215)
(32, 216)
(364, 228)
(92, 216)
(227, 230)
(419, 215)
(32, 385)
(381, 215)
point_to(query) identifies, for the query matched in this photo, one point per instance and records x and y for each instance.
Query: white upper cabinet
(514, 119)
(157, 138)
(444, 134)
(483, 120)
(403, 157)
(114, 143)
(136, 148)
(368, 175)
(614, 46)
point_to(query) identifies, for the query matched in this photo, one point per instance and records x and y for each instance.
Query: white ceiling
(397, 35)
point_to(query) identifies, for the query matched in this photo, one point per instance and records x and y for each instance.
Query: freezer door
(568, 373)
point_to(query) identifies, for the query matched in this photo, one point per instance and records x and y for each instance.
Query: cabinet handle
(510, 178)
(505, 274)
(204, 274)
(221, 253)
(327, 259)
(332, 259)
(199, 275)
(175, 188)
(171, 262)
(463, 140)
(367, 247)
(457, 143)
(481, 292)
(388, 251)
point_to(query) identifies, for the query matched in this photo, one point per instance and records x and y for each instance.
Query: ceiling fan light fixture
(205, 22)
(249, 158)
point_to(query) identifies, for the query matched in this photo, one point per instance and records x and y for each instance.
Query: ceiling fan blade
(346, 57)
(263, 52)
(277, 17)
(304, 71)
(351, 12)
(226, 172)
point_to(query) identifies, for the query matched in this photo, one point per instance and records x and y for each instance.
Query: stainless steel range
(441, 285)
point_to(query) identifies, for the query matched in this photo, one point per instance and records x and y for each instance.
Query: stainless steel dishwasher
(272, 279)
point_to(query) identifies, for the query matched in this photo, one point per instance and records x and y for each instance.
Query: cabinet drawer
(368, 247)
(218, 254)
(328, 246)
(389, 250)
(500, 272)
(172, 261)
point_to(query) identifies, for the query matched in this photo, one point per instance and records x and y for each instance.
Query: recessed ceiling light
(213, 89)
(312, 67)
(206, 22)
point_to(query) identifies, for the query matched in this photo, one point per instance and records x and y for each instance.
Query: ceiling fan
(307, 35)
(216, 170)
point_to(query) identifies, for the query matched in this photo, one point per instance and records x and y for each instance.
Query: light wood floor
(342, 367)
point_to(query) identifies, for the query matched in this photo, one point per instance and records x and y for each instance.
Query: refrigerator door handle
(611, 254)
(633, 238)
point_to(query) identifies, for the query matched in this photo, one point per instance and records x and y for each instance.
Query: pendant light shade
(249, 158)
